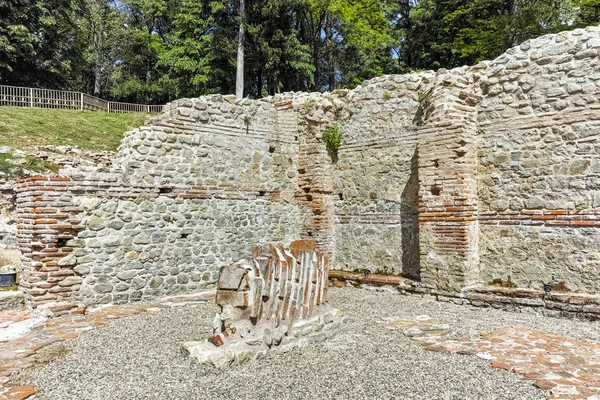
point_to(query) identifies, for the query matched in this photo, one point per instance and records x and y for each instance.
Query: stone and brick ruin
(481, 184)
(274, 301)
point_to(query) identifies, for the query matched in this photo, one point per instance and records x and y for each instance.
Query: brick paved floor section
(568, 369)
(21, 352)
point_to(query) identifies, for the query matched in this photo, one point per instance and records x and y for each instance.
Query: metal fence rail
(46, 98)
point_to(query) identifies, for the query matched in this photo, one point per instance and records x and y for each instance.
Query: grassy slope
(25, 128)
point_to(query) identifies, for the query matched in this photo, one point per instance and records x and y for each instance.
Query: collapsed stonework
(273, 302)
(483, 176)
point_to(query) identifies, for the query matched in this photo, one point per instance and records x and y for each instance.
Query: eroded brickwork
(46, 226)
(448, 182)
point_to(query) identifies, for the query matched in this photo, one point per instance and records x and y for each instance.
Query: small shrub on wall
(333, 140)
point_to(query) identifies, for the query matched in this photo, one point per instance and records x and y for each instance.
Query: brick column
(315, 183)
(44, 226)
(448, 224)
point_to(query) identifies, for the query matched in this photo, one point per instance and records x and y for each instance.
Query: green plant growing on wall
(425, 99)
(308, 104)
(333, 140)
(247, 123)
(15, 167)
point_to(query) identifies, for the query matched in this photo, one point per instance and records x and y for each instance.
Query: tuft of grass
(12, 288)
(15, 167)
(308, 104)
(25, 128)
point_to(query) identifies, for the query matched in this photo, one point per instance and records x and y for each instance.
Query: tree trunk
(239, 78)
(147, 85)
(330, 61)
(98, 64)
(97, 15)
(259, 83)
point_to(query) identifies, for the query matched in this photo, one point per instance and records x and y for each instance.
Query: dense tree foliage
(156, 50)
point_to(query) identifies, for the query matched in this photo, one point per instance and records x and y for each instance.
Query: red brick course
(558, 218)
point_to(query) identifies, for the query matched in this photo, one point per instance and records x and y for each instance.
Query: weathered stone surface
(70, 281)
(95, 223)
(11, 300)
(67, 261)
(233, 277)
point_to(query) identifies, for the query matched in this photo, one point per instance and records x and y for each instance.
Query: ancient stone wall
(376, 178)
(479, 176)
(187, 194)
(539, 162)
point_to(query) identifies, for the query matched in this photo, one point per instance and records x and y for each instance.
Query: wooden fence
(47, 98)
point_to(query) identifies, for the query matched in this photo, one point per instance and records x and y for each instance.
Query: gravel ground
(139, 358)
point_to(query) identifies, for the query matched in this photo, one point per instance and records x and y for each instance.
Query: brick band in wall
(566, 218)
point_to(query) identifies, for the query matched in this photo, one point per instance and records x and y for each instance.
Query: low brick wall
(553, 304)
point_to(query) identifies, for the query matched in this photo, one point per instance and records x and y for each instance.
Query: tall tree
(587, 12)
(364, 49)
(276, 60)
(39, 43)
(450, 33)
(187, 62)
(330, 26)
(402, 34)
(143, 38)
(98, 11)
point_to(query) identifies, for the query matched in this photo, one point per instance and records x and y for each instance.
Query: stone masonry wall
(376, 178)
(477, 176)
(506, 170)
(187, 194)
(539, 165)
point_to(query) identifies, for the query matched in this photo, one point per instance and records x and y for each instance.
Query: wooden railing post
(81, 101)
(30, 97)
(109, 106)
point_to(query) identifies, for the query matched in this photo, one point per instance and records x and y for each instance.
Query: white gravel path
(139, 358)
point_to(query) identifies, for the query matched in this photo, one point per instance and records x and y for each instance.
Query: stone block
(70, 281)
(68, 261)
(233, 298)
(234, 277)
(95, 223)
